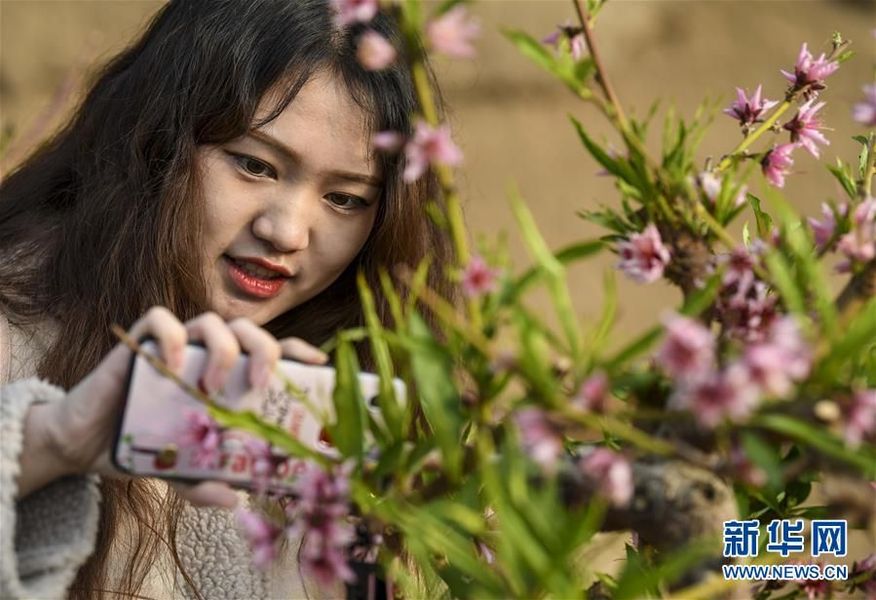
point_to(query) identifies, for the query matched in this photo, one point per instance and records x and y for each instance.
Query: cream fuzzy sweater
(48, 535)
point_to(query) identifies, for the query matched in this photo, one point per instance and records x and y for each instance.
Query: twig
(160, 366)
(752, 137)
(601, 77)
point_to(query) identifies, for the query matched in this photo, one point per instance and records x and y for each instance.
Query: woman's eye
(347, 202)
(255, 167)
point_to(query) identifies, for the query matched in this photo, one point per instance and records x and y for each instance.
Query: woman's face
(288, 206)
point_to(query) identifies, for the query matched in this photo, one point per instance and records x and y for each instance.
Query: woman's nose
(286, 224)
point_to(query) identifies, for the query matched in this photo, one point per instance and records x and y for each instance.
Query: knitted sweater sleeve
(46, 536)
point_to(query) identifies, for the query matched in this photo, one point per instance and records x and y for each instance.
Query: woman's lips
(254, 285)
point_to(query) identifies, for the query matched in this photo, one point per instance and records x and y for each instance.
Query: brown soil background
(509, 116)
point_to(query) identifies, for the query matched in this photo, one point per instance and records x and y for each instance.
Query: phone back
(165, 432)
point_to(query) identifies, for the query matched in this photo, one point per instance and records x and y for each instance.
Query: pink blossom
(739, 271)
(348, 12)
(612, 474)
(388, 141)
(741, 195)
(749, 110)
(718, 395)
(319, 516)
(860, 422)
(710, 185)
(429, 146)
(643, 255)
(478, 278)
(327, 564)
(748, 317)
(593, 395)
(577, 43)
(824, 229)
(865, 111)
(782, 359)
(688, 350)
(204, 436)
(777, 163)
(866, 566)
(814, 588)
(744, 307)
(262, 536)
(860, 243)
(454, 32)
(805, 126)
(374, 52)
(541, 440)
(809, 72)
(264, 462)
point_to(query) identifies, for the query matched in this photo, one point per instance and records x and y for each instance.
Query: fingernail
(214, 378)
(261, 376)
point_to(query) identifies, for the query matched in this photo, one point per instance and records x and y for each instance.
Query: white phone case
(165, 432)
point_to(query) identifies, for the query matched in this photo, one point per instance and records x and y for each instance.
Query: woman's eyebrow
(294, 157)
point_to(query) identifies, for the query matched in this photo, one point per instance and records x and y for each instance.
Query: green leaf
(565, 256)
(392, 298)
(814, 437)
(347, 432)
(864, 156)
(844, 56)
(418, 282)
(618, 167)
(392, 411)
(533, 359)
(785, 281)
(518, 547)
(796, 492)
(810, 272)
(857, 339)
(638, 580)
(609, 219)
(277, 436)
(531, 48)
(607, 318)
(446, 5)
(554, 272)
(843, 175)
(433, 372)
(425, 529)
(763, 220)
(764, 457)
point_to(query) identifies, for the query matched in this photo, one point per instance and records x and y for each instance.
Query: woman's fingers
(223, 348)
(169, 332)
(263, 349)
(298, 349)
(208, 493)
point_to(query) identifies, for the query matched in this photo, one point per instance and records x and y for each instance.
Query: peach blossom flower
(374, 52)
(643, 255)
(453, 33)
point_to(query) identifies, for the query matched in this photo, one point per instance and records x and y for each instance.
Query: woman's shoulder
(22, 345)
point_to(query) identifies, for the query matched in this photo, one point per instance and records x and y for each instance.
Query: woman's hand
(75, 436)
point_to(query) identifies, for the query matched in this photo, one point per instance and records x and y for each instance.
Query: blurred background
(510, 118)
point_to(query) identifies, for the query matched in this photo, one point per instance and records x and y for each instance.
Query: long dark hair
(103, 221)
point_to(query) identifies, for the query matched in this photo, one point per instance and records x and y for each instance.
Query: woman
(218, 184)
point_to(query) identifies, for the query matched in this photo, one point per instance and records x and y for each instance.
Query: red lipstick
(258, 286)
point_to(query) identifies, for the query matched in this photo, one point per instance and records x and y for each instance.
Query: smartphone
(165, 432)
